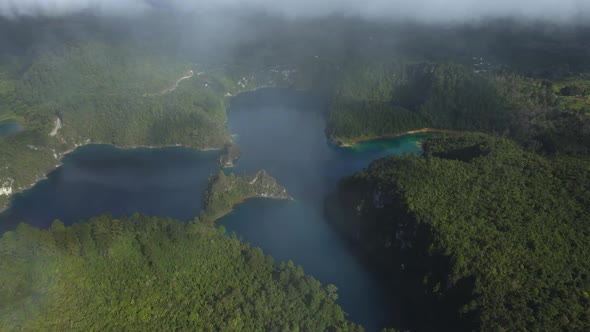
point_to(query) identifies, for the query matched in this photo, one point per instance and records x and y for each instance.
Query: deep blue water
(276, 130)
(9, 127)
(287, 139)
(98, 179)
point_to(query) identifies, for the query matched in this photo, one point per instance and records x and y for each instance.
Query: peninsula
(226, 191)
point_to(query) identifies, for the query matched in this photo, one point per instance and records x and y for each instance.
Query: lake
(276, 130)
(286, 138)
(96, 179)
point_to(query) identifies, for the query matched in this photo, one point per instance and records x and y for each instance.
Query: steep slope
(483, 234)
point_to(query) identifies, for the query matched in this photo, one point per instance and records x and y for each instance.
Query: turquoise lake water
(276, 130)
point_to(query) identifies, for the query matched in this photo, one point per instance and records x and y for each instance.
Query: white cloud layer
(423, 10)
(15, 8)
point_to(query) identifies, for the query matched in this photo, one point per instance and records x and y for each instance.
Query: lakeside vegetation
(138, 273)
(225, 191)
(100, 92)
(107, 92)
(385, 100)
(492, 236)
(230, 155)
(354, 142)
(25, 156)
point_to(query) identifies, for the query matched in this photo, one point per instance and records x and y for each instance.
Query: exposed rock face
(58, 125)
(264, 185)
(225, 191)
(6, 192)
(6, 189)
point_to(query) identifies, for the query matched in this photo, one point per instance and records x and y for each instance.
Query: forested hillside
(389, 99)
(25, 156)
(495, 238)
(141, 273)
(103, 93)
(379, 100)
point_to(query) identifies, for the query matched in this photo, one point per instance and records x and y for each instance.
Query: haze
(437, 11)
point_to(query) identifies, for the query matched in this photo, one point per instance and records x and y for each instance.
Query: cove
(97, 179)
(9, 127)
(283, 132)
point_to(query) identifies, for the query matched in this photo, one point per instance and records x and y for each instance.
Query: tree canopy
(498, 238)
(140, 273)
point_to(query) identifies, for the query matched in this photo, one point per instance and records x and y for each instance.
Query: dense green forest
(380, 100)
(110, 94)
(24, 161)
(142, 273)
(400, 98)
(493, 237)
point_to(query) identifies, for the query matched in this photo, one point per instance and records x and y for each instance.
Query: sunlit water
(279, 131)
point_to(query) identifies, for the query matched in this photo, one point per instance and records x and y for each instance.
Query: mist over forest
(431, 156)
(269, 34)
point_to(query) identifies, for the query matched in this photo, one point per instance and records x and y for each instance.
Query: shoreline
(62, 155)
(6, 206)
(349, 143)
(243, 200)
(162, 146)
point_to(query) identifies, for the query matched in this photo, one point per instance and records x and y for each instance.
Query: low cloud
(18, 8)
(421, 10)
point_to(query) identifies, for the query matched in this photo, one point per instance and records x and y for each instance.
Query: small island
(231, 153)
(226, 191)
